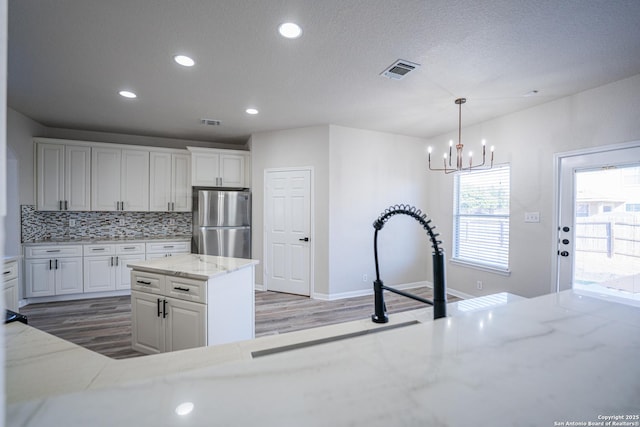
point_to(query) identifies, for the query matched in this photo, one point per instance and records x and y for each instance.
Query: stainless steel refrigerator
(221, 222)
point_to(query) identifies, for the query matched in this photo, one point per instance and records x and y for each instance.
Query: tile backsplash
(41, 225)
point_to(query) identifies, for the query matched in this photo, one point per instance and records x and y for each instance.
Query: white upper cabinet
(97, 176)
(219, 168)
(134, 186)
(119, 180)
(232, 169)
(63, 175)
(170, 182)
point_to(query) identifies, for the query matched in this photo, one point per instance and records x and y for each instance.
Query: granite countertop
(89, 240)
(194, 266)
(546, 361)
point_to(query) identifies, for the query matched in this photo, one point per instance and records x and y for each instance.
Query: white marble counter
(193, 266)
(546, 361)
(92, 240)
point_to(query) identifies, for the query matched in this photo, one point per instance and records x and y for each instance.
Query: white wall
(528, 140)
(285, 149)
(20, 132)
(370, 171)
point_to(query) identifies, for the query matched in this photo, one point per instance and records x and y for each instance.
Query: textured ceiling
(69, 58)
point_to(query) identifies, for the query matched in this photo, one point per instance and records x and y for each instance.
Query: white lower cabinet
(172, 312)
(53, 270)
(105, 266)
(161, 323)
(66, 269)
(166, 249)
(10, 284)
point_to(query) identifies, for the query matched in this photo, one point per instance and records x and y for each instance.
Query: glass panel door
(599, 223)
(607, 231)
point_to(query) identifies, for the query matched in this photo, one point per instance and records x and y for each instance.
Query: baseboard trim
(70, 297)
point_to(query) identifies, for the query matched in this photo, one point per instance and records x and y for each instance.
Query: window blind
(481, 217)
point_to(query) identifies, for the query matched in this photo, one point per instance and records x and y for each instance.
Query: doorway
(598, 221)
(288, 240)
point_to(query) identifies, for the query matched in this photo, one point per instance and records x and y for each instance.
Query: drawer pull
(98, 249)
(142, 282)
(129, 248)
(180, 288)
(7, 272)
(53, 250)
(167, 246)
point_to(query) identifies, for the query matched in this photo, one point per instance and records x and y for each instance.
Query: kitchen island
(192, 300)
(548, 361)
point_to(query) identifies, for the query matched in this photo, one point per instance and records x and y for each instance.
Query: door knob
(564, 253)
(306, 239)
(565, 241)
(565, 229)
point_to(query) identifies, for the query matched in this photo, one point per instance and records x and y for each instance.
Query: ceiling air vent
(399, 69)
(210, 122)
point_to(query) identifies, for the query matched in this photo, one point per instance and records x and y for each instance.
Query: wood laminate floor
(104, 324)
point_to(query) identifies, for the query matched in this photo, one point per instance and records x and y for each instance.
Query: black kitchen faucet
(439, 302)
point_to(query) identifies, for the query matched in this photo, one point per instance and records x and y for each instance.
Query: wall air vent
(210, 122)
(399, 69)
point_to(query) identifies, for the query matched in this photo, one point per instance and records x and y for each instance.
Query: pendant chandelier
(460, 163)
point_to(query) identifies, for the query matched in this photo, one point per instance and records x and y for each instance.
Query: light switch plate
(532, 217)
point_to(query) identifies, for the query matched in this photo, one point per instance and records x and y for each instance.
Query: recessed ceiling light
(183, 60)
(251, 111)
(290, 30)
(127, 94)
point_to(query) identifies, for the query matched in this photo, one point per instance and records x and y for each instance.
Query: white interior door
(288, 231)
(599, 221)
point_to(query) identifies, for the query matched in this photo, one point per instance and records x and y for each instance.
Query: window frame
(493, 267)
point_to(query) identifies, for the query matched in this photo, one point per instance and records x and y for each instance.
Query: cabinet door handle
(180, 288)
(116, 261)
(168, 206)
(50, 267)
(111, 262)
(66, 205)
(159, 307)
(142, 282)
(56, 264)
(164, 308)
(59, 205)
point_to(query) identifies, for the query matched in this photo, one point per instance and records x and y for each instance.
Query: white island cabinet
(191, 300)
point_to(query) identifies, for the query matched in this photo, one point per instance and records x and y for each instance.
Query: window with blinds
(481, 218)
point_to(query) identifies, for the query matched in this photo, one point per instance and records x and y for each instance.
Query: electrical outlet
(365, 278)
(532, 217)
(172, 221)
(479, 284)
(121, 221)
(72, 223)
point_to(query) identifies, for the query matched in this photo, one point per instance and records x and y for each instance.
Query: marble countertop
(193, 266)
(9, 258)
(546, 361)
(88, 240)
